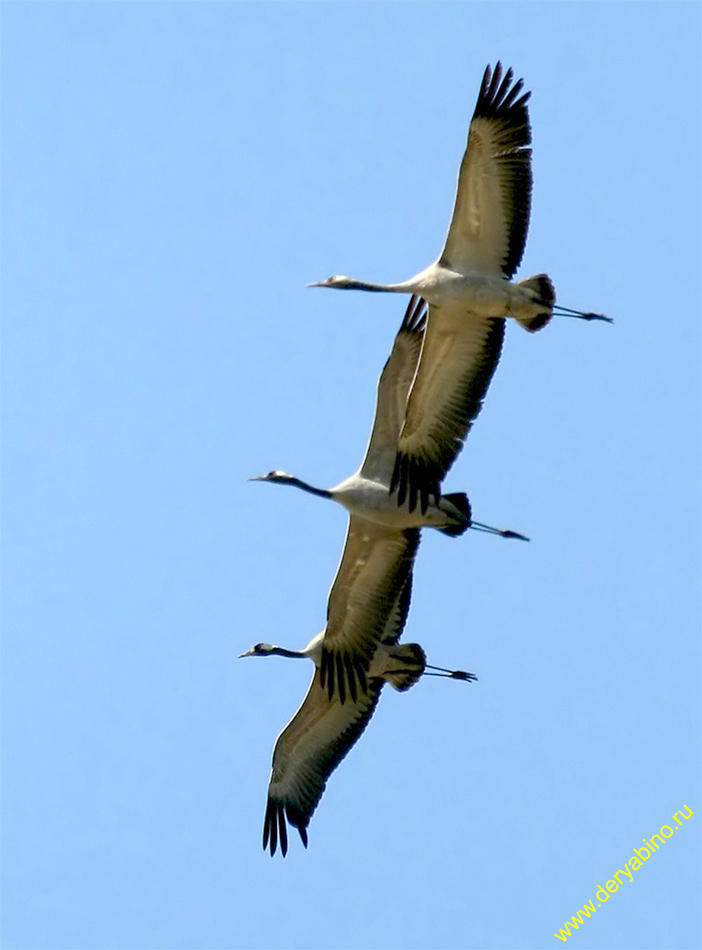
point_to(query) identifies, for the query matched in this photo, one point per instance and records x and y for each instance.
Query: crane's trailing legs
(451, 674)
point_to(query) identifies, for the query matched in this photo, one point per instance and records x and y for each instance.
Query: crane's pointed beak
(250, 652)
(319, 283)
(256, 478)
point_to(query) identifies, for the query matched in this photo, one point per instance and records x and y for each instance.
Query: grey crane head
(260, 649)
(277, 475)
(340, 281)
(282, 478)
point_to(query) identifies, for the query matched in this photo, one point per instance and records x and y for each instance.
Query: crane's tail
(404, 665)
(543, 294)
(460, 501)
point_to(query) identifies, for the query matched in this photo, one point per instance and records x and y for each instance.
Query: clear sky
(173, 175)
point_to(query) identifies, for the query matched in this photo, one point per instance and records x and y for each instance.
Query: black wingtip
(497, 94)
(266, 825)
(297, 817)
(270, 826)
(283, 830)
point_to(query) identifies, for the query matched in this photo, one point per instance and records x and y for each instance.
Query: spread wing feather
(459, 356)
(393, 388)
(306, 753)
(490, 219)
(375, 567)
(316, 739)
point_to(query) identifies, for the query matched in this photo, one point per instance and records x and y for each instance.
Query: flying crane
(470, 290)
(326, 726)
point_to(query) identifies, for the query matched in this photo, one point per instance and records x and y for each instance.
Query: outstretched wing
(491, 213)
(306, 753)
(316, 739)
(459, 356)
(375, 568)
(393, 388)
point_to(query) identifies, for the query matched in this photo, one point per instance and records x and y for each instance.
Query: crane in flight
(364, 605)
(366, 493)
(470, 290)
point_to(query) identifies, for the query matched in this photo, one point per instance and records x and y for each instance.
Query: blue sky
(173, 175)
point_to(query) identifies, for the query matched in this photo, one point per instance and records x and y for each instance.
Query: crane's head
(275, 476)
(261, 649)
(339, 281)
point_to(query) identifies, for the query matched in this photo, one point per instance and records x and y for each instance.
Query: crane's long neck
(298, 483)
(281, 651)
(353, 284)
